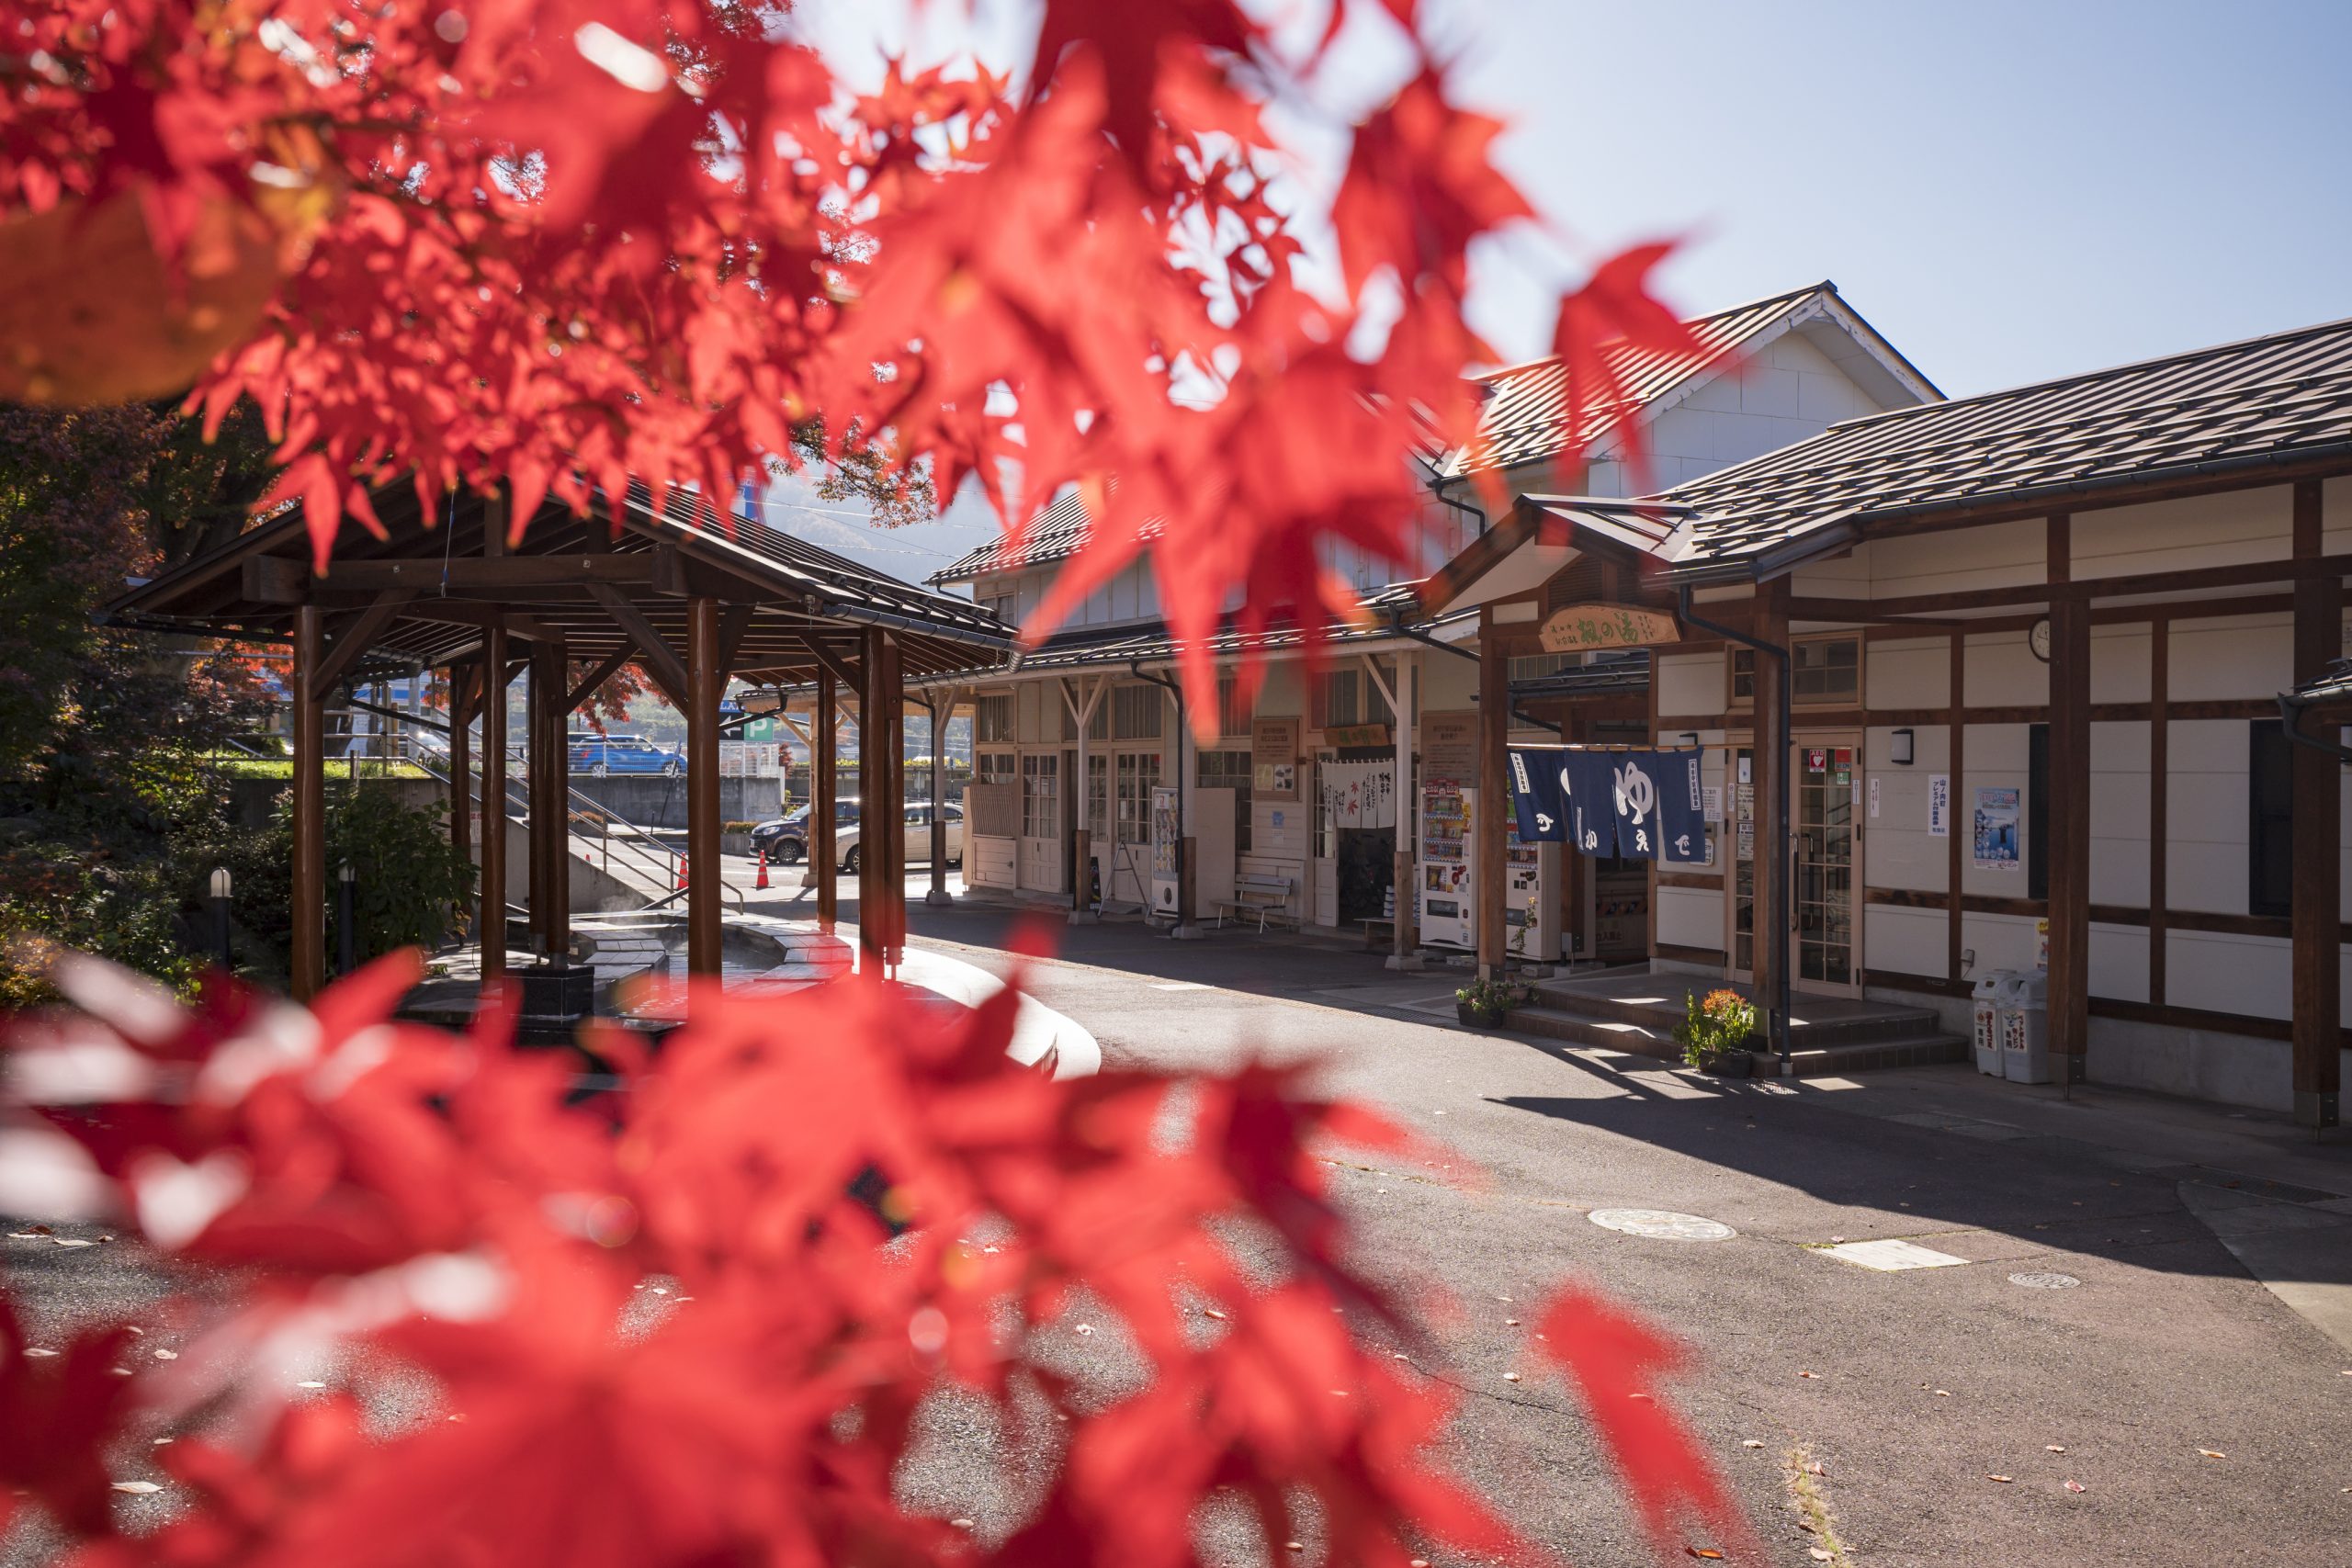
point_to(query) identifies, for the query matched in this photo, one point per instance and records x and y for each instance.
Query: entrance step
(1637, 1014)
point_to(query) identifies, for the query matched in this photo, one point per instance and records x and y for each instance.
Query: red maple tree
(556, 244)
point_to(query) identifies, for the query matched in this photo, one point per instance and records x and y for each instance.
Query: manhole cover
(2045, 1281)
(1662, 1223)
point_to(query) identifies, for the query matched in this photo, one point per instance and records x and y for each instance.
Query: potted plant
(1482, 1004)
(1714, 1033)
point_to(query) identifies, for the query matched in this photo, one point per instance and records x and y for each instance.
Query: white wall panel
(1691, 917)
(2224, 973)
(2001, 672)
(2120, 962)
(1996, 759)
(2207, 800)
(2002, 555)
(2237, 656)
(2000, 941)
(1907, 674)
(2120, 671)
(1691, 683)
(2183, 535)
(1901, 940)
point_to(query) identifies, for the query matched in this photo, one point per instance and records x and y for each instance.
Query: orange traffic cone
(762, 882)
(682, 875)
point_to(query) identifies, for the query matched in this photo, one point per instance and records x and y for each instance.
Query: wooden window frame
(1817, 639)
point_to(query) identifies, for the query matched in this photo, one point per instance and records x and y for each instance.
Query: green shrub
(55, 896)
(1721, 1020)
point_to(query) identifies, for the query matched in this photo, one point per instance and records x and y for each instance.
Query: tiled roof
(1526, 404)
(1052, 535)
(2241, 406)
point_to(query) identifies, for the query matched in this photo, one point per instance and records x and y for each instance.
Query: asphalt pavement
(2084, 1323)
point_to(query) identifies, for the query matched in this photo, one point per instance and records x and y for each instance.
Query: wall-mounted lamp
(1899, 748)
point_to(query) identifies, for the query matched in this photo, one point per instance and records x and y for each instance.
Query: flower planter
(1738, 1064)
(1474, 1017)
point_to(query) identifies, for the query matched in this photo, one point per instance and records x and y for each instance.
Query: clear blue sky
(2007, 191)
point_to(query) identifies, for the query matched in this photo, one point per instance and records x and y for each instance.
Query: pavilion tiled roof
(2262, 403)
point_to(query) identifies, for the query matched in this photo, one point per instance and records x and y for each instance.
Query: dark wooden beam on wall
(490, 930)
(823, 781)
(1769, 910)
(2316, 834)
(2159, 796)
(1956, 727)
(308, 953)
(703, 870)
(1487, 820)
(356, 636)
(2069, 812)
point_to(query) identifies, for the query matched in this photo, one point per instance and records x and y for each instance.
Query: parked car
(599, 755)
(784, 839)
(847, 849)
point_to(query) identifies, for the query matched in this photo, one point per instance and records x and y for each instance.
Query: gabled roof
(2249, 407)
(1526, 404)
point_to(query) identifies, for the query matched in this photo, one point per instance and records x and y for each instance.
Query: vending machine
(1166, 852)
(1447, 884)
(1530, 897)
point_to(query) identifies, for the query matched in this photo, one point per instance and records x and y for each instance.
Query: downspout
(1396, 625)
(2290, 714)
(1176, 687)
(1777, 1005)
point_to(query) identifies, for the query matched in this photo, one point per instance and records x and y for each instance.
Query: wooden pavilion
(692, 600)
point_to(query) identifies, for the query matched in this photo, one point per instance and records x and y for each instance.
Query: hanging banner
(1634, 787)
(1681, 809)
(1358, 794)
(1536, 797)
(1586, 780)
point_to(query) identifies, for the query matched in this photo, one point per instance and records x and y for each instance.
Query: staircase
(1637, 1014)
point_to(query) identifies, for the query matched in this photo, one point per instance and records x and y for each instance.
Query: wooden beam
(2316, 835)
(873, 788)
(661, 662)
(308, 950)
(2159, 798)
(823, 782)
(594, 680)
(1771, 915)
(1956, 729)
(461, 765)
(270, 579)
(492, 571)
(466, 613)
(734, 622)
(2069, 813)
(356, 640)
(832, 664)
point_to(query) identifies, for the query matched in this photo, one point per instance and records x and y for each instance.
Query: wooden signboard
(1575, 628)
(1273, 759)
(1450, 748)
(1356, 735)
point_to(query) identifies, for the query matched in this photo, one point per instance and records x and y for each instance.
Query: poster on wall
(1273, 758)
(1996, 830)
(1939, 806)
(1450, 749)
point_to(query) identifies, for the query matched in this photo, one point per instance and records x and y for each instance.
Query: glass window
(993, 716)
(1040, 794)
(1098, 797)
(1135, 712)
(1743, 677)
(997, 767)
(1138, 771)
(1825, 670)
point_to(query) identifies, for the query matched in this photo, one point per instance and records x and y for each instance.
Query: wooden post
(1486, 824)
(707, 678)
(552, 670)
(535, 768)
(894, 813)
(2317, 836)
(1082, 866)
(1401, 934)
(1956, 722)
(873, 858)
(461, 762)
(310, 891)
(823, 780)
(1573, 868)
(1770, 915)
(942, 714)
(2069, 813)
(492, 934)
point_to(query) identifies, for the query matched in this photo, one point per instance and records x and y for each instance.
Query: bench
(1258, 896)
(1379, 930)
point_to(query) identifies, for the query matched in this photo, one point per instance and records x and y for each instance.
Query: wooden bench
(1379, 930)
(1263, 896)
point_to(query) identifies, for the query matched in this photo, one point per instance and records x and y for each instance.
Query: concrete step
(1807, 1060)
(1884, 1024)
(1585, 1029)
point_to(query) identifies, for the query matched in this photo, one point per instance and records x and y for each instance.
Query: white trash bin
(2025, 1028)
(1987, 1032)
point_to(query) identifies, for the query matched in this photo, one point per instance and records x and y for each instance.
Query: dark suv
(785, 839)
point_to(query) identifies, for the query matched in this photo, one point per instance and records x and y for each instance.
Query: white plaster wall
(1691, 683)
(1691, 917)
(2205, 821)
(1449, 684)
(2119, 818)
(2236, 656)
(2119, 669)
(2120, 962)
(1898, 851)
(2336, 516)
(1995, 758)
(1907, 674)
(1999, 942)
(2182, 535)
(1902, 940)
(1998, 670)
(2002, 555)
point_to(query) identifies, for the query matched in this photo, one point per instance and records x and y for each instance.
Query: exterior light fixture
(218, 887)
(1899, 748)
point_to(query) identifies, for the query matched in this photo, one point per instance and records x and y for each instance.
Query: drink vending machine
(1447, 884)
(1530, 897)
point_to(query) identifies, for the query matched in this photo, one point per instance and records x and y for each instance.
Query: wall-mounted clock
(2038, 639)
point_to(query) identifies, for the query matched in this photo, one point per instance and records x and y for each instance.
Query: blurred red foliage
(854, 1201)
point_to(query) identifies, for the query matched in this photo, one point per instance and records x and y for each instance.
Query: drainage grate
(2045, 1281)
(1661, 1225)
